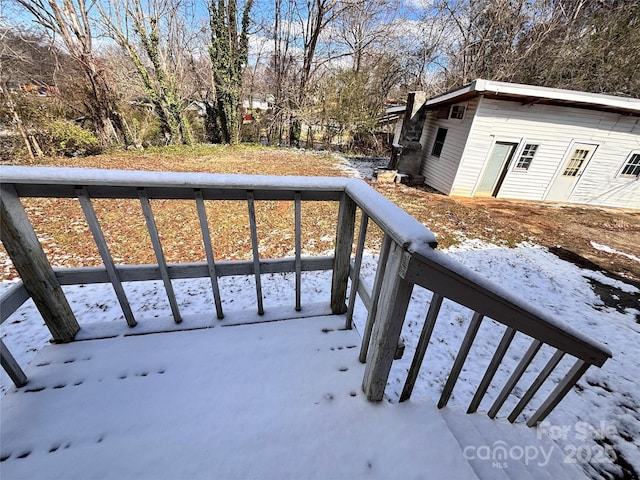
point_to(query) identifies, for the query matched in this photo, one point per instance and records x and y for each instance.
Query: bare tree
(281, 67)
(367, 29)
(578, 44)
(70, 21)
(12, 54)
(18, 53)
(483, 35)
(582, 44)
(152, 33)
(313, 16)
(311, 41)
(300, 33)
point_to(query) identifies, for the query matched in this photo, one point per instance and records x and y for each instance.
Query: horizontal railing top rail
(62, 183)
(436, 272)
(407, 258)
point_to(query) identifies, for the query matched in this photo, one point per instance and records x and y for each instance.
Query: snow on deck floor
(273, 400)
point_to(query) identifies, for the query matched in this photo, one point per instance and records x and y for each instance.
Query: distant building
(524, 142)
(258, 102)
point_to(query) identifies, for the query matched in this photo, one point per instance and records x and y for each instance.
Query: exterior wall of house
(555, 129)
(440, 172)
(601, 183)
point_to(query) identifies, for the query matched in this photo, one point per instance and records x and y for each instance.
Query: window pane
(527, 155)
(575, 163)
(439, 143)
(632, 168)
(457, 111)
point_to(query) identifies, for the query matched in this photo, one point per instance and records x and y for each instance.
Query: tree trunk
(21, 129)
(229, 54)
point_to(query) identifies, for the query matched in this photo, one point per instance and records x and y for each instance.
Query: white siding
(440, 172)
(554, 129)
(600, 183)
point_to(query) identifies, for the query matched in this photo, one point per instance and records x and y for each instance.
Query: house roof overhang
(531, 95)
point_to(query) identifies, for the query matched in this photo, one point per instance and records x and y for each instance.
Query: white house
(519, 141)
(258, 102)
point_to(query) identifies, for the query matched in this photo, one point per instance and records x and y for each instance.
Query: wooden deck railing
(407, 258)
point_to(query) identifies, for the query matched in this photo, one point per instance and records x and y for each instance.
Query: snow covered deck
(285, 399)
(268, 400)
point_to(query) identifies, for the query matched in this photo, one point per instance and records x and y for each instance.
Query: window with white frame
(526, 157)
(457, 112)
(632, 166)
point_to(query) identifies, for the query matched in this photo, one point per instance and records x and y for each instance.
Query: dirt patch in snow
(572, 228)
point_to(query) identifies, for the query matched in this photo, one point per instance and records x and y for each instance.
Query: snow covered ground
(606, 248)
(242, 405)
(361, 167)
(597, 425)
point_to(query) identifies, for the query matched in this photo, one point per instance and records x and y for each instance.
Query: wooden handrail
(57, 182)
(408, 258)
(436, 272)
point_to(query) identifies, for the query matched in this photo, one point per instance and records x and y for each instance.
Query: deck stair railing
(407, 258)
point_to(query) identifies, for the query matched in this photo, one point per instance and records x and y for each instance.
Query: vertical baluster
(298, 240)
(103, 248)
(460, 358)
(206, 238)
(10, 366)
(157, 248)
(507, 337)
(423, 343)
(254, 246)
(515, 376)
(355, 278)
(375, 294)
(566, 384)
(537, 383)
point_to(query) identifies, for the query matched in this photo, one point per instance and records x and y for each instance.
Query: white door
(496, 169)
(570, 172)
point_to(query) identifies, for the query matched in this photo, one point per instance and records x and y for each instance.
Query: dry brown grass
(66, 239)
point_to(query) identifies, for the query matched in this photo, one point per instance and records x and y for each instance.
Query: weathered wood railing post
(30, 261)
(342, 258)
(17, 375)
(392, 308)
